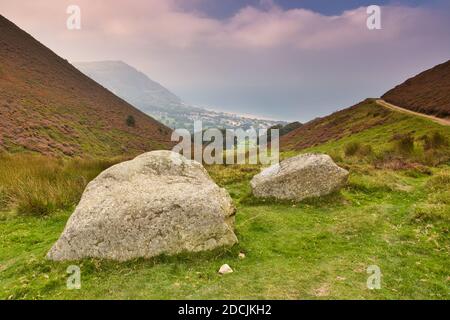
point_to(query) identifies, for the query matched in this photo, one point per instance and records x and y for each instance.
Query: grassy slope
(343, 123)
(380, 136)
(364, 122)
(398, 220)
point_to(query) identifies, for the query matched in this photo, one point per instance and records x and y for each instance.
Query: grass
(383, 135)
(36, 185)
(395, 215)
(436, 207)
(355, 148)
(319, 249)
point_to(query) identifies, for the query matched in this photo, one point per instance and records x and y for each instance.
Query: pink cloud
(163, 22)
(208, 60)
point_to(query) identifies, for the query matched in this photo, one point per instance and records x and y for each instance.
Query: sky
(279, 59)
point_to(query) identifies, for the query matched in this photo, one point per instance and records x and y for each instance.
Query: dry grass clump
(38, 185)
(356, 148)
(437, 205)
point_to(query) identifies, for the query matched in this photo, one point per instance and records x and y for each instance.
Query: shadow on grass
(91, 265)
(331, 200)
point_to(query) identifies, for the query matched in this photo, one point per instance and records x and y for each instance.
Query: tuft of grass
(226, 174)
(351, 148)
(439, 182)
(436, 207)
(356, 148)
(38, 185)
(404, 143)
(431, 212)
(436, 141)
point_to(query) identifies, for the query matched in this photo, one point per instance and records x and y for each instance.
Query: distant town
(211, 119)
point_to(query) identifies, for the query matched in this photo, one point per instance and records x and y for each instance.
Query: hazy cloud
(265, 60)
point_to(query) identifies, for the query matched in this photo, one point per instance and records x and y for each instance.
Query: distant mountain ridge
(427, 92)
(131, 84)
(48, 106)
(152, 98)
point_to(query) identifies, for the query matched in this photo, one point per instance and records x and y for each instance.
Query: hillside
(48, 106)
(155, 100)
(343, 123)
(365, 123)
(428, 92)
(285, 129)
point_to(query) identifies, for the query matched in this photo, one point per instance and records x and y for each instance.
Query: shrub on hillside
(357, 149)
(436, 141)
(404, 143)
(436, 157)
(351, 148)
(131, 122)
(392, 160)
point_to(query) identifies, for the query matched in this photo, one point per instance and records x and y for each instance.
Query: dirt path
(444, 122)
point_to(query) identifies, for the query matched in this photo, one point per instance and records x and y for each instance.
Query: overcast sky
(291, 60)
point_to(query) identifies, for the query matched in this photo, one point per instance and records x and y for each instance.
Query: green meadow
(394, 213)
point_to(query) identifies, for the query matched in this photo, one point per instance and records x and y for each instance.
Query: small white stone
(225, 269)
(241, 255)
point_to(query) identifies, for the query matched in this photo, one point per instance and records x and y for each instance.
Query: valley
(80, 187)
(393, 213)
(152, 98)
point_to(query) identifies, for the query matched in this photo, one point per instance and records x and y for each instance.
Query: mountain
(428, 92)
(50, 107)
(132, 85)
(152, 98)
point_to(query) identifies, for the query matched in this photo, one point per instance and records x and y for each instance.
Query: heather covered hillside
(49, 107)
(340, 124)
(366, 123)
(428, 92)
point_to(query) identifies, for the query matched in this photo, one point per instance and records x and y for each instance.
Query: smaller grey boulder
(300, 177)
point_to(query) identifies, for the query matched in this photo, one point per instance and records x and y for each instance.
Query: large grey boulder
(157, 203)
(300, 177)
